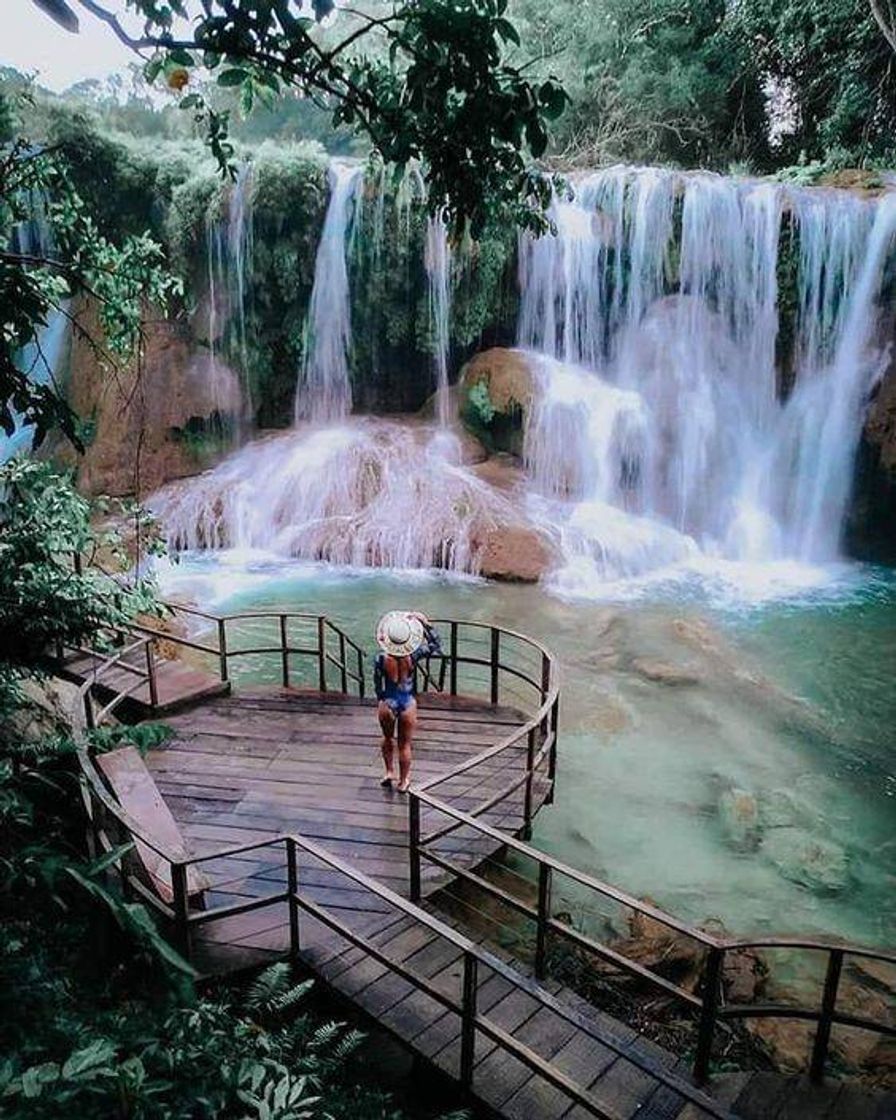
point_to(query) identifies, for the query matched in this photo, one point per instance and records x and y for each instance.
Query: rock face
(871, 525)
(495, 390)
(146, 422)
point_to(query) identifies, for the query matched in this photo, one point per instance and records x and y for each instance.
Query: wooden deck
(252, 766)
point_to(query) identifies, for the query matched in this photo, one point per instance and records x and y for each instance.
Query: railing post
(712, 992)
(552, 753)
(89, 721)
(545, 875)
(284, 652)
(545, 686)
(828, 1005)
(453, 666)
(181, 908)
(527, 804)
(414, 845)
(495, 659)
(360, 673)
(343, 668)
(151, 675)
(222, 647)
(468, 1020)
(322, 653)
(292, 876)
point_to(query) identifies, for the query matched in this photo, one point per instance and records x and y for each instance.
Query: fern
(347, 1045)
(273, 993)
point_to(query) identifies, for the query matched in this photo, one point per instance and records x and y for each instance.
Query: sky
(30, 40)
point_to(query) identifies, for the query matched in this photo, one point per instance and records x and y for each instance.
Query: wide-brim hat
(399, 633)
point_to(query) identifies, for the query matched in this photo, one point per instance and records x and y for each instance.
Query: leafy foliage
(438, 90)
(70, 256)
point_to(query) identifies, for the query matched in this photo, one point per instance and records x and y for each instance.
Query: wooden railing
(323, 644)
(432, 801)
(186, 922)
(515, 671)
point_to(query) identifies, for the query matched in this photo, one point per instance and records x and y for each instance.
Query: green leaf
(99, 1053)
(181, 57)
(191, 101)
(507, 32)
(153, 68)
(234, 77)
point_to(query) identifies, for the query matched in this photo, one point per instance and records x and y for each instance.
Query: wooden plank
(763, 1096)
(136, 792)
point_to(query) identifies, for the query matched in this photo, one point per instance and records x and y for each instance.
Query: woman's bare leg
(387, 724)
(407, 723)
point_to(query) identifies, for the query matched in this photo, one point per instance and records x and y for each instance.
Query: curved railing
(111, 828)
(433, 799)
(319, 641)
(519, 676)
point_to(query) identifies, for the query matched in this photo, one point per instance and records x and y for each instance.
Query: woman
(404, 637)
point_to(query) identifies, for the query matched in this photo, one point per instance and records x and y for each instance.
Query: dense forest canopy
(756, 84)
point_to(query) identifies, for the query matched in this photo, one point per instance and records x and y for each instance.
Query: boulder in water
(516, 554)
(740, 818)
(806, 859)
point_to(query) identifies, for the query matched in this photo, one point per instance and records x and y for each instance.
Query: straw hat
(399, 633)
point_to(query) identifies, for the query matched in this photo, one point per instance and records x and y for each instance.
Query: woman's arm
(432, 644)
(378, 663)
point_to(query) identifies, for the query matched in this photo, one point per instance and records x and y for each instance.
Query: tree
(829, 62)
(651, 81)
(438, 89)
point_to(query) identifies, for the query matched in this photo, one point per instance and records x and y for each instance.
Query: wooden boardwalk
(249, 767)
(276, 792)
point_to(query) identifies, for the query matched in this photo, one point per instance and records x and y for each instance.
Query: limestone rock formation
(148, 423)
(871, 525)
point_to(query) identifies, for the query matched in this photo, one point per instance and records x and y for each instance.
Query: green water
(672, 711)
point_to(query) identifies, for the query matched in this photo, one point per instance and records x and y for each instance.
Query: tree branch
(886, 20)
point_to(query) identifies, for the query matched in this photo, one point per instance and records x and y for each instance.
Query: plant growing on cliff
(436, 88)
(51, 251)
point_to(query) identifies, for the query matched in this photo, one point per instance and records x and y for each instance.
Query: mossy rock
(496, 391)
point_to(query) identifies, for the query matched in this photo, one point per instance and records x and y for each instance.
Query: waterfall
(655, 309)
(324, 391)
(438, 274)
(370, 493)
(229, 243)
(42, 359)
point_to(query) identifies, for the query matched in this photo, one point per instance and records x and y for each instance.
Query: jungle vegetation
(97, 1015)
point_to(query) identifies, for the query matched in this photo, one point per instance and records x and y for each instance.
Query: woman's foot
(387, 780)
(403, 787)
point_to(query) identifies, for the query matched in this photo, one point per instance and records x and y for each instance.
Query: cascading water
(229, 242)
(438, 273)
(43, 358)
(323, 391)
(663, 286)
(371, 493)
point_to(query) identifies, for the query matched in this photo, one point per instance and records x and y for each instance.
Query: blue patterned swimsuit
(399, 694)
